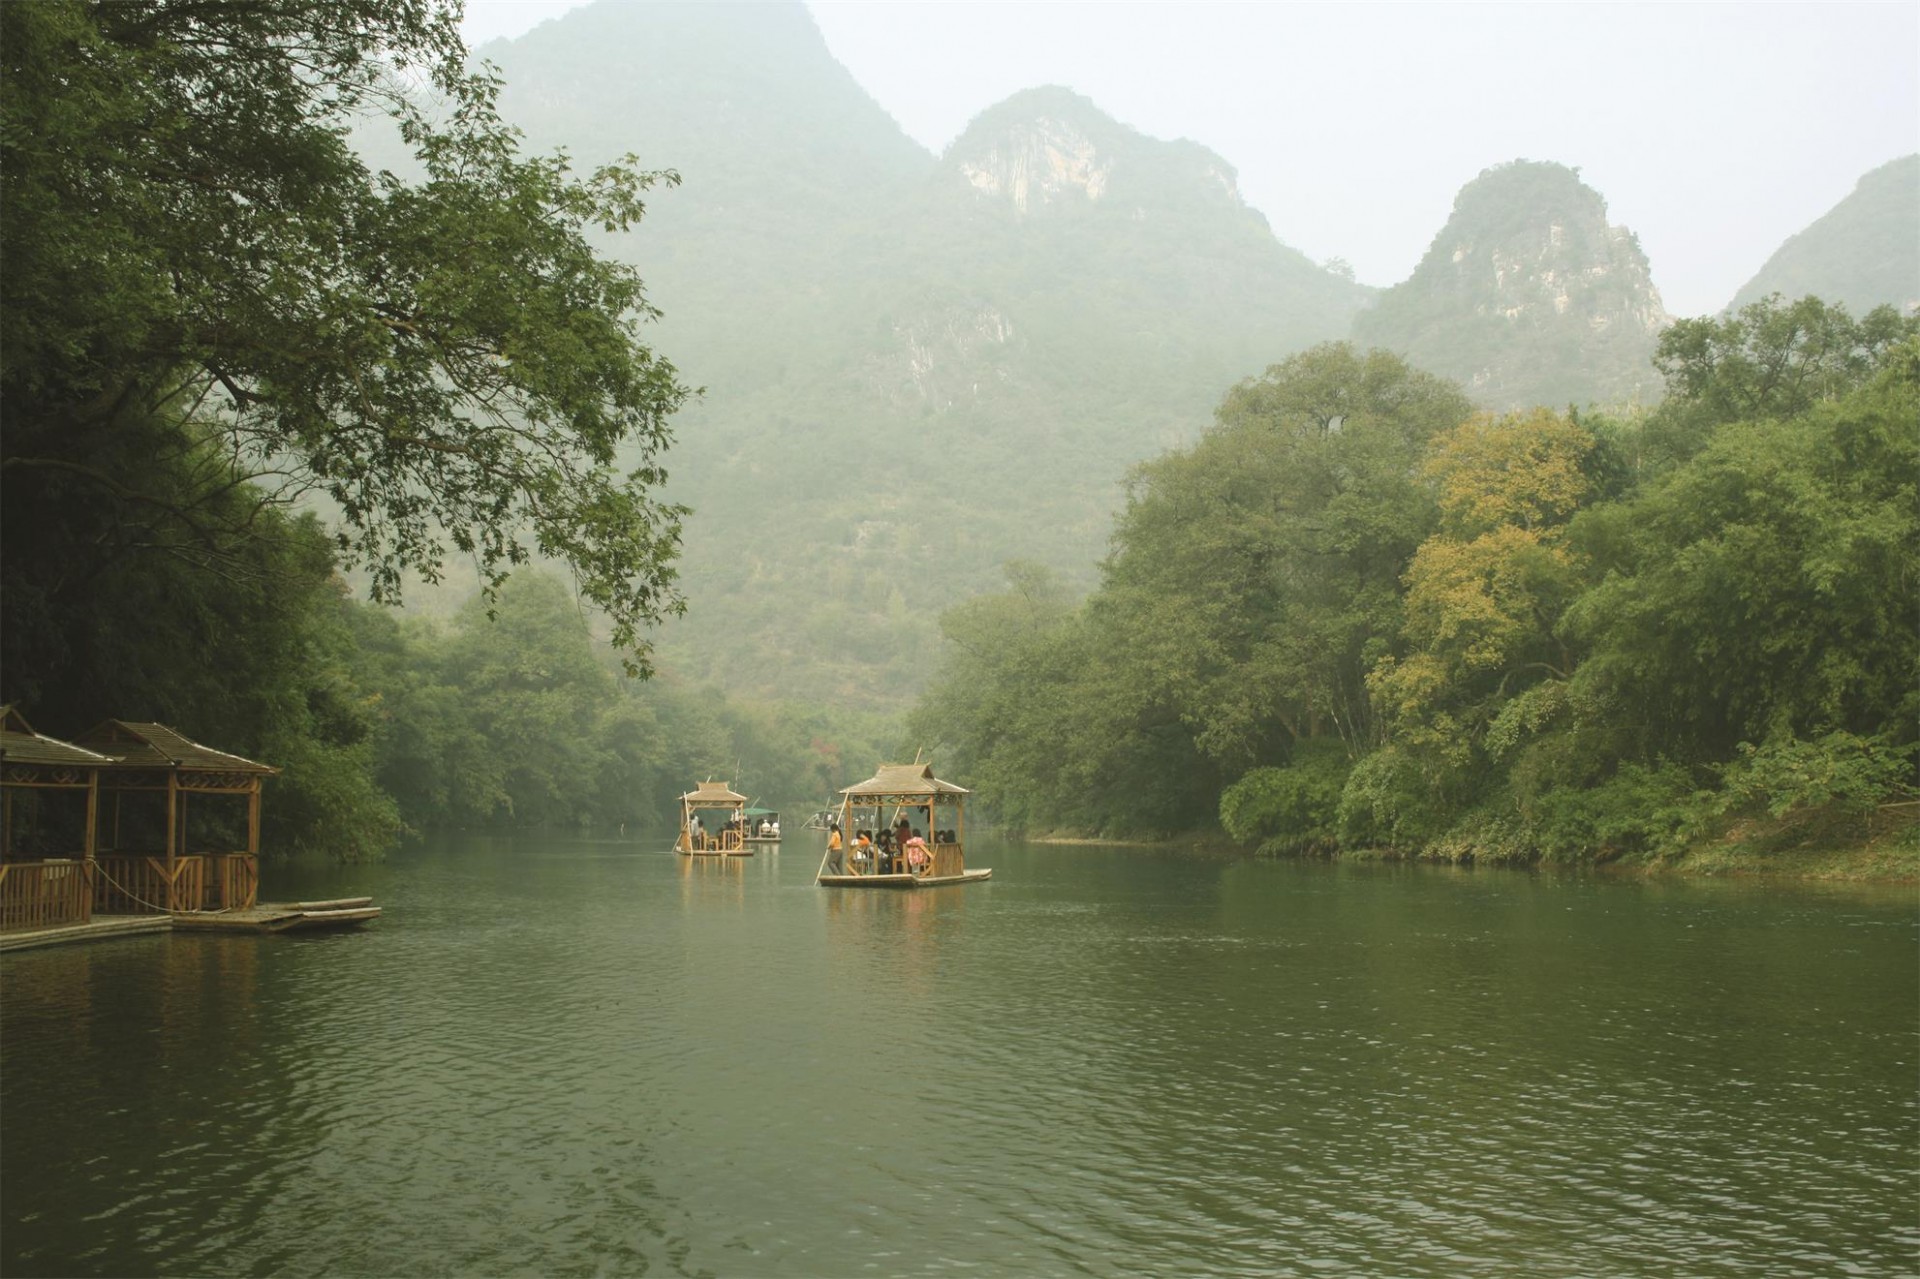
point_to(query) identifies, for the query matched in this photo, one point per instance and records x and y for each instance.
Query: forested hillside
(913, 369)
(1357, 615)
(1527, 296)
(1865, 252)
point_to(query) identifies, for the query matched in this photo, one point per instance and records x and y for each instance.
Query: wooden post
(173, 820)
(92, 838)
(91, 845)
(253, 819)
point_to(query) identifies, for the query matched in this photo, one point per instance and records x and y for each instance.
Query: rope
(128, 893)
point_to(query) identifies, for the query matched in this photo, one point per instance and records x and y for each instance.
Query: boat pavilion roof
(903, 780)
(716, 793)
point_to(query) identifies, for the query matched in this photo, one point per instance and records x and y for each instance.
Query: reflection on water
(599, 1057)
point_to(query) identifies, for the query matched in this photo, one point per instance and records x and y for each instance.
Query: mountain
(915, 368)
(1527, 296)
(1865, 252)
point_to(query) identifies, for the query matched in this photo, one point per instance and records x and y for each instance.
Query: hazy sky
(1715, 131)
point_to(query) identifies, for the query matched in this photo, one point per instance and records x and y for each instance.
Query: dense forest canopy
(212, 308)
(196, 255)
(1357, 615)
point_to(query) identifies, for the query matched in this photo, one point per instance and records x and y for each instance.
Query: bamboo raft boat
(694, 840)
(902, 857)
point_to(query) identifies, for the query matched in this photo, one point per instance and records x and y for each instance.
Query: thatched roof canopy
(144, 745)
(19, 744)
(904, 781)
(717, 794)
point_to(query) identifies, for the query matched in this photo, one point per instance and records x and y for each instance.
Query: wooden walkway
(267, 917)
(99, 928)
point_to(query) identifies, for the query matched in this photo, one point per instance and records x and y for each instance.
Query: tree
(1765, 589)
(195, 256)
(1254, 574)
(1484, 596)
(1774, 359)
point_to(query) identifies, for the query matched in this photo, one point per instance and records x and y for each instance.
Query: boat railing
(946, 859)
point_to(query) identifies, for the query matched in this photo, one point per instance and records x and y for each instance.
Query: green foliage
(448, 362)
(1766, 586)
(1251, 575)
(1841, 771)
(1772, 361)
(1567, 649)
(1294, 809)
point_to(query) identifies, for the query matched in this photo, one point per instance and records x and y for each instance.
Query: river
(557, 1056)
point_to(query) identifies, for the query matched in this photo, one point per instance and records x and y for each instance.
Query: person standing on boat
(694, 833)
(836, 860)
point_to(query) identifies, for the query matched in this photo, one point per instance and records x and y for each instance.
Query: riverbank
(1886, 851)
(1799, 847)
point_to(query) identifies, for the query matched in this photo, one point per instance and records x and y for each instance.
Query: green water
(565, 1057)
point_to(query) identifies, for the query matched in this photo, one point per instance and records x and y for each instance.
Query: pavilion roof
(715, 793)
(905, 779)
(19, 744)
(145, 745)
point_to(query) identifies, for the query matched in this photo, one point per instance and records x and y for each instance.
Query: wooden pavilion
(887, 802)
(727, 839)
(148, 857)
(38, 890)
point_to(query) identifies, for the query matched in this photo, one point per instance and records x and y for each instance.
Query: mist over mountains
(919, 367)
(1865, 252)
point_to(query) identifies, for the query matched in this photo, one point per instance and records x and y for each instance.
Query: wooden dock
(267, 917)
(98, 928)
(281, 917)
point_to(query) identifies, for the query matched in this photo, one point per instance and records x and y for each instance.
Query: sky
(1714, 131)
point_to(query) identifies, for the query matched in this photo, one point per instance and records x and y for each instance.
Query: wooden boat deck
(904, 880)
(716, 852)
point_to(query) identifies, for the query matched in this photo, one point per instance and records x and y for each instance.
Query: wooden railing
(239, 881)
(43, 894)
(139, 885)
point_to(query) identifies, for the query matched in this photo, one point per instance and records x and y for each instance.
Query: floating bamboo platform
(904, 880)
(281, 917)
(715, 852)
(902, 859)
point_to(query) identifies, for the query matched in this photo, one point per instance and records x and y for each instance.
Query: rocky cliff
(1528, 296)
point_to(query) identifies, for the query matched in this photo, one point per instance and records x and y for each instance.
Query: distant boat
(756, 816)
(727, 809)
(901, 855)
